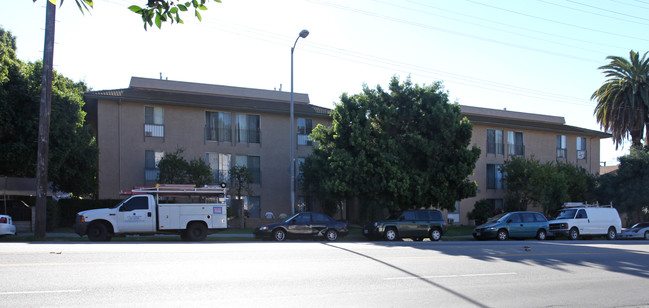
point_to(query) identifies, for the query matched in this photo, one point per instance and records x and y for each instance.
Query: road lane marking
(39, 292)
(450, 276)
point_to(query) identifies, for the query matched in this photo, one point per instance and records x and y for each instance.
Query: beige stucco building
(224, 126)
(228, 126)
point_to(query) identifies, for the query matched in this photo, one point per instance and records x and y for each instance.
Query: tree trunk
(44, 122)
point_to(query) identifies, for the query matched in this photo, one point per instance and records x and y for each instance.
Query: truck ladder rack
(177, 190)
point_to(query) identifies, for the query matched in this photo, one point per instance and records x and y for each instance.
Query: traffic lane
(283, 272)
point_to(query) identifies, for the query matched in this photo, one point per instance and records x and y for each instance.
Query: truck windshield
(567, 214)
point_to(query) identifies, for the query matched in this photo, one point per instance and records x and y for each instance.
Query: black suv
(414, 224)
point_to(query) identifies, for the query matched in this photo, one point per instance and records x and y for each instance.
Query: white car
(639, 230)
(6, 226)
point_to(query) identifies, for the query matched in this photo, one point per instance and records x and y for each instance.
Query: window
(137, 203)
(539, 217)
(218, 126)
(514, 218)
(220, 164)
(247, 128)
(581, 214)
(422, 215)
(304, 128)
(561, 146)
(495, 141)
(408, 215)
(581, 148)
(252, 205)
(300, 164)
(317, 217)
(154, 121)
(151, 160)
(515, 144)
(528, 217)
(494, 177)
(253, 164)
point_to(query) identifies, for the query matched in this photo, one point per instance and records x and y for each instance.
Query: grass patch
(459, 230)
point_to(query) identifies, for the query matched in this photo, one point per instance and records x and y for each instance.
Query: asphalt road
(321, 274)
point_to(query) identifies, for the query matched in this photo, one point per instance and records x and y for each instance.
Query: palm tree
(623, 100)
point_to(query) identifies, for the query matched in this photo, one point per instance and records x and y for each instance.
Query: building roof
(165, 92)
(522, 120)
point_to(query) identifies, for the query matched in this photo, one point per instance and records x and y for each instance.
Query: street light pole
(303, 34)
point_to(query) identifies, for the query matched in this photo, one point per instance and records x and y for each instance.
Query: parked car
(577, 220)
(414, 224)
(303, 225)
(637, 231)
(513, 225)
(7, 226)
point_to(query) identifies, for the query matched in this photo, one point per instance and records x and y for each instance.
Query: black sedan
(303, 225)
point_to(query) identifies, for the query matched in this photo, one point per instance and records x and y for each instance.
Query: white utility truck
(152, 210)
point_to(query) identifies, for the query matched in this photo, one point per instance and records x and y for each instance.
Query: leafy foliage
(405, 148)
(481, 212)
(241, 179)
(529, 182)
(628, 187)
(174, 169)
(72, 151)
(623, 100)
(157, 11)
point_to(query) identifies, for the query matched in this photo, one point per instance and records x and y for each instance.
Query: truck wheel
(391, 234)
(196, 232)
(573, 234)
(97, 232)
(611, 234)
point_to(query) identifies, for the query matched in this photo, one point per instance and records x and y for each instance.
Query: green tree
(481, 212)
(628, 187)
(529, 182)
(174, 169)
(623, 100)
(241, 180)
(73, 150)
(524, 183)
(403, 148)
(156, 11)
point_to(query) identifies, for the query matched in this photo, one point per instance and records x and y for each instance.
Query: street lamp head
(304, 33)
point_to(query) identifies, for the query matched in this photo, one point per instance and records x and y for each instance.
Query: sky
(536, 56)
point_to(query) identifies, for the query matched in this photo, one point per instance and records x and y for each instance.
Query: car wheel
(98, 232)
(646, 235)
(331, 235)
(435, 235)
(279, 235)
(391, 234)
(541, 235)
(502, 235)
(611, 234)
(196, 232)
(573, 234)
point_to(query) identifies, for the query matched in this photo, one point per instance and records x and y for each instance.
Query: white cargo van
(577, 220)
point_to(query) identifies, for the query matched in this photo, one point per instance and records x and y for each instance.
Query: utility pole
(44, 121)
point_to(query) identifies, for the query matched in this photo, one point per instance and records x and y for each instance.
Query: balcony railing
(151, 174)
(304, 140)
(248, 135)
(154, 130)
(516, 149)
(495, 148)
(581, 154)
(561, 153)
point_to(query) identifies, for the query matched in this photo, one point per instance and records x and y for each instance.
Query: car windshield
(567, 214)
(640, 225)
(292, 217)
(496, 218)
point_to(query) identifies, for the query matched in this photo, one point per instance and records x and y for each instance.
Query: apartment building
(225, 126)
(502, 134)
(229, 126)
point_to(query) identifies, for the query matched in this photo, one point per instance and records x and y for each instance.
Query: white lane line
(451, 276)
(39, 292)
